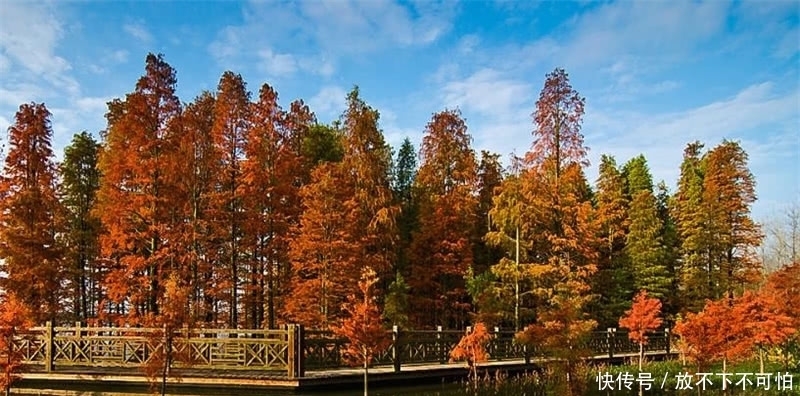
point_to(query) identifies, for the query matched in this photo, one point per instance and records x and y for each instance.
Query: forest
(233, 211)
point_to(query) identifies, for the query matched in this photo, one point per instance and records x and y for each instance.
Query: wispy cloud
(138, 31)
(329, 102)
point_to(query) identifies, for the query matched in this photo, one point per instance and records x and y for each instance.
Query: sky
(656, 75)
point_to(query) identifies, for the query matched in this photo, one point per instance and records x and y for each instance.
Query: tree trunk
(641, 356)
(761, 360)
(366, 374)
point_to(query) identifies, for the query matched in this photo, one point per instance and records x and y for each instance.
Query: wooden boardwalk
(291, 358)
(193, 380)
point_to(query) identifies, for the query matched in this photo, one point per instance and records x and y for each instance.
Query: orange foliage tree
(472, 348)
(643, 317)
(764, 324)
(173, 316)
(138, 191)
(441, 247)
(728, 193)
(15, 318)
(714, 333)
(31, 216)
(562, 235)
(362, 325)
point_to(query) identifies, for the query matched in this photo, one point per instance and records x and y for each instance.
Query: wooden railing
(289, 351)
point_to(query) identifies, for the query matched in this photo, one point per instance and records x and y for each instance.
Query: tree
(490, 176)
(764, 324)
(643, 317)
(349, 219)
(637, 176)
(441, 248)
(728, 193)
(139, 190)
(472, 349)
(690, 222)
(669, 242)
(396, 302)
(15, 318)
(405, 172)
(782, 238)
(172, 319)
(230, 130)
(201, 160)
(31, 216)
(713, 333)
(362, 325)
(614, 280)
(80, 182)
(560, 215)
(323, 143)
(322, 253)
(645, 248)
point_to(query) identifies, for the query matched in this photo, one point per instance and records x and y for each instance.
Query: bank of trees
(258, 215)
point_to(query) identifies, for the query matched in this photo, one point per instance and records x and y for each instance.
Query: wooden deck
(202, 381)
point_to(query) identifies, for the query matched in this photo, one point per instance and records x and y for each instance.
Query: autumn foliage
(15, 318)
(233, 211)
(472, 348)
(642, 318)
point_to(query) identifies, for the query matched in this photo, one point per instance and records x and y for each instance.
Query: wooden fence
(289, 351)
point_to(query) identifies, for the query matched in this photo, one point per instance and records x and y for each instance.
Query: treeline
(260, 215)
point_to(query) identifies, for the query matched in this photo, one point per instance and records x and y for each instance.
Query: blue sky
(655, 74)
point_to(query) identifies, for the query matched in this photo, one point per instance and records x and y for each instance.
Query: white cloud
(138, 31)
(487, 92)
(277, 64)
(329, 101)
(28, 36)
(336, 28)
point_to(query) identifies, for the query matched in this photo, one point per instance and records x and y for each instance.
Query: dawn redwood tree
(174, 318)
(362, 325)
(472, 349)
(323, 255)
(31, 216)
(366, 171)
(506, 290)
(614, 279)
(636, 174)
(695, 271)
(230, 129)
(15, 318)
(713, 333)
(441, 249)
(139, 191)
(670, 245)
(728, 194)
(201, 165)
(490, 176)
(765, 325)
(644, 246)
(643, 317)
(560, 214)
(268, 189)
(80, 182)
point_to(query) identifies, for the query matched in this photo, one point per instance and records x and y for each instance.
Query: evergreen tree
(645, 248)
(80, 182)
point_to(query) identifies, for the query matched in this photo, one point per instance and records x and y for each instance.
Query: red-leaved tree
(472, 348)
(643, 317)
(363, 325)
(15, 317)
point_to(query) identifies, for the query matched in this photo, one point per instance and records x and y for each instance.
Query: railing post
(48, 348)
(610, 339)
(441, 348)
(667, 336)
(396, 348)
(300, 338)
(291, 348)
